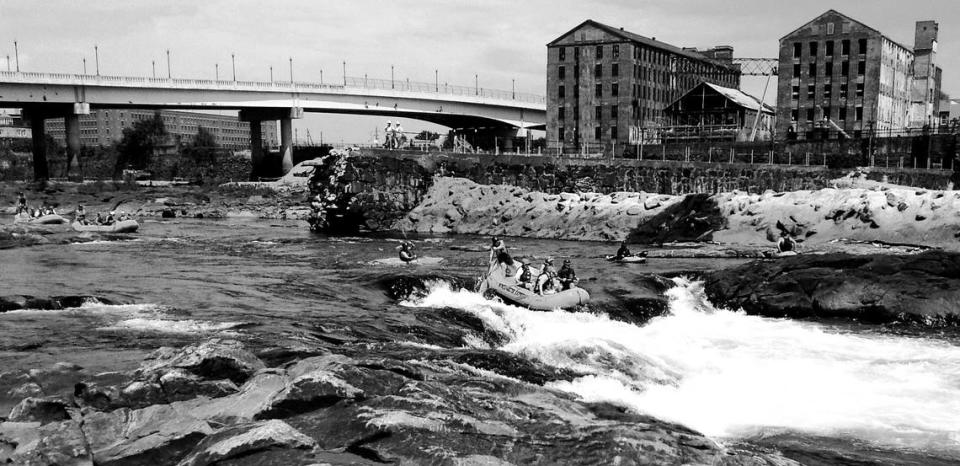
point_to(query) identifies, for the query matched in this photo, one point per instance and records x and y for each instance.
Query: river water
(268, 283)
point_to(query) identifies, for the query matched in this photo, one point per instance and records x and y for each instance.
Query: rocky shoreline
(218, 403)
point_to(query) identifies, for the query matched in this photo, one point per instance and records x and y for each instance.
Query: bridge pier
(286, 144)
(256, 146)
(256, 117)
(40, 169)
(72, 135)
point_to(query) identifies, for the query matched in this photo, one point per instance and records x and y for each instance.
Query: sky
(501, 41)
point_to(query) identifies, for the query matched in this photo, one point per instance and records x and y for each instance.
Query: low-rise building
(715, 113)
(105, 127)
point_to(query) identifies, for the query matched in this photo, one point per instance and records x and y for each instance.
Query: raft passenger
(567, 276)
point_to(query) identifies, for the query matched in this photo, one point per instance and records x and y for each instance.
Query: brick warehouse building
(105, 127)
(838, 76)
(604, 83)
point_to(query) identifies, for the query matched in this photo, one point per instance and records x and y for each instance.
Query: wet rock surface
(387, 403)
(919, 288)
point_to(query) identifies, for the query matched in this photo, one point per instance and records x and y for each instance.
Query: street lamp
(153, 65)
(8, 63)
(216, 67)
(16, 55)
(96, 54)
(169, 75)
(436, 80)
(391, 76)
(233, 65)
(513, 87)
(271, 74)
(84, 65)
(344, 72)
(476, 83)
(321, 76)
(291, 70)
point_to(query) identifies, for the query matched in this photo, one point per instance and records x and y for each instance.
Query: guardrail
(349, 83)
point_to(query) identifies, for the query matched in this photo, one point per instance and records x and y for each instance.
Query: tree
(203, 148)
(139, 143)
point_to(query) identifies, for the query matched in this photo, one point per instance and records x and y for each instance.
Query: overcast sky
(497, 39)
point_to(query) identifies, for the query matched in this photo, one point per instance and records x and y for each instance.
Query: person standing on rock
(496, 247)
(21, 203)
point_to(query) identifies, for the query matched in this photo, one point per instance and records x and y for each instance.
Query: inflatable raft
(499, 283)
(123, 226)
(52, 219)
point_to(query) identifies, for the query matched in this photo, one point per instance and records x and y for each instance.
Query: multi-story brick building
(838, 76)
(603, 83)
(105, 127)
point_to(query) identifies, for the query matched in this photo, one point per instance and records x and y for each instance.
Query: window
(793, 115)
(596, 133)
(843, 114)
(809, 114)
(614, 89)
(813, 49)
(615, 69)
(576, 92)
(830, 46)
(827, 91)
(616, 51)
(829, 28)
(598, 70)
(562, 72)
(828, 68)
(576, 71)
(843, 90)
(796, 92)
(599, 90)
(861, 67)
(563, 56)
(811, 90)
(560, 134)
(561, 92)
(859, 114)
(859, 89)
(812, 70)
(797, 47)
(561, 113)
(599, 111)
(826, 112)
(613, 132)
(862, 46)
(599, 52)
(576, 52)
(844, 68)
(845, 47)
(614, 112)
(796, 70)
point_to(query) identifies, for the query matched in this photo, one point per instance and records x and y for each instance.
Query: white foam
(731, 375)
(173, 326)
(92, 306)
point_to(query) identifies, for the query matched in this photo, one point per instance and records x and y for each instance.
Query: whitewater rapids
(734, 376)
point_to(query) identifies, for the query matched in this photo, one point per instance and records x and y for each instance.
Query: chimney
(926, 35)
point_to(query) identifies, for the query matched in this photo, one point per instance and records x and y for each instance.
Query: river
(270, 283)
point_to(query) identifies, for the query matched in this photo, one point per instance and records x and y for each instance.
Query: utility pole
(96, 54)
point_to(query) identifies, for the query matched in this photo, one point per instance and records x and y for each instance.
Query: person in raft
(496, 247)
(547, 281)
(22, 203)
(568, 277)
(81, 215)
(786, 243)
(406, 252)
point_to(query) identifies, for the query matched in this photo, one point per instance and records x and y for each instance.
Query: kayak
(506, 287)
(52, 219)
(396, 261)
(123, 226)
(628, 259)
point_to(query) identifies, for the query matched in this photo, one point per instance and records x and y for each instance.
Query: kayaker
(406, 252)
(21, 203)
(568, 277)
(624, 251)
(786, 243)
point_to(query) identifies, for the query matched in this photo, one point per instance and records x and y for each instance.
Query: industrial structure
(605, 84)
(105, 127)
(709, 112)
(842, 78)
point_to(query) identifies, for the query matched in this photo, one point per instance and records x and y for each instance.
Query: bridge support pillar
(72, 132)
(286, 144)
(256, 146)
(40, 170)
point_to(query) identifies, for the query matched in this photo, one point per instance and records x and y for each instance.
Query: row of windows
(597, 133)
(827, 91)
(841, 114)
(813, 48)
(639, 53)
(828, 69)
(614, 112)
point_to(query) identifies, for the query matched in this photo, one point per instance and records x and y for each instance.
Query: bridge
(496, 113)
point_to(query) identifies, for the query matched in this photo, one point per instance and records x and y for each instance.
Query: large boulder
(244, 439)
(210, 360)
(922, 288)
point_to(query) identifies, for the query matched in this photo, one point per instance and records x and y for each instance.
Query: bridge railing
(399, 86)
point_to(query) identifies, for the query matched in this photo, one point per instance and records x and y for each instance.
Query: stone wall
(371, 188)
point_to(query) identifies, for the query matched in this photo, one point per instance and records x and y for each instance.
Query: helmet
(566, 262)
(398, 122)
(548, 260)
(495, 239)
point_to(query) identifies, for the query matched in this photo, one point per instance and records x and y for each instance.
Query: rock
(160, 434)
(634, 210)
(140, 394)
(211, 360)
(922, 288)
(168, 213)
(651, 202)
(60, 443)
(42, 410)
(245, 439)
(180, 385)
